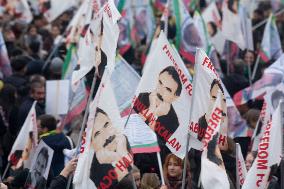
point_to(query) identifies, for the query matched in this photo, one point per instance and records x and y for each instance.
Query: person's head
(212, 28)
(173, 166)
(169, 85)
(103, 133)
(19, 64)
(55, 31)
(249, 159)
(41, 162)
(32, 30)
(37, 91)
(249, 57)
(276, 96)
(239, 66)
(34, 47)
(252, 117)
(46, 123)
(8, 96)
(136, 175)
(190, 36)
(150, 181)
(55, 68)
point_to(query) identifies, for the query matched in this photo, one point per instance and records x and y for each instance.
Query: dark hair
(172, 72)
(47, 121)
(275, 96)
(19, 63)
(211, 151)
(216, 82)
(100, 111)
(35, 84)
(44, 153)
(214, 27)
(34, 46)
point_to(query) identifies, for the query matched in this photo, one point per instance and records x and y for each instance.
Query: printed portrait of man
(203, 121)
(159, 102)
(110, 147)
(213, 152)
(36, 178)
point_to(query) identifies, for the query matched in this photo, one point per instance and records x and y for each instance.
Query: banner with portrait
(268, 155)
(39, 170)
(240, 166)
(106, 157)
(206, 84)
(26, 141)
(163, 97)
(97, 47)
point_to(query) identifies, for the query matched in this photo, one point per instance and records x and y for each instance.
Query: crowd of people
(33, 61)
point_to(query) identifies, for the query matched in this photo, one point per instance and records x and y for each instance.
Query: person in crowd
(56, 140)
(137, 176)
(37, 93)
(150, 181)
(173, 168)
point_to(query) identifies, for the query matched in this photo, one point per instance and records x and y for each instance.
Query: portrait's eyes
(168, 89)
(96, 133)
(214, 97)
(106, 124)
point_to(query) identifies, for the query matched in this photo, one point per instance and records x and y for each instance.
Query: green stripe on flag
(67, 60)
(145, 145)
(120, 5)
(178, 24)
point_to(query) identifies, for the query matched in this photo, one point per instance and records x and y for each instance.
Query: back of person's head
(19, 63)
(252, 117)
(34, 46)
(8, 96)
(150, 181)
(37, 78)
(125, 183)
(47, 121)
(239, 66)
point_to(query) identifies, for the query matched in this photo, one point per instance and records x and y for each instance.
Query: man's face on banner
(104, 134)
(166, 88)
(40, 165)
(213, 94)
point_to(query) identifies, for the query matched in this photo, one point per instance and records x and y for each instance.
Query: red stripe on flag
(145, 150)
(238, 98)
(263, 56)
(188, 56)
(123, 49)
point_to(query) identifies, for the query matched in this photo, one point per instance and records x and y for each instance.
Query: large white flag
(246, 26)
(102, 33)
(241, 166)
(105, 156)
(269, 154)
(54, 8)
(164, 104)
(28, 137)
(231, 27)
(270, 48)
(213, 173)
(206, 83)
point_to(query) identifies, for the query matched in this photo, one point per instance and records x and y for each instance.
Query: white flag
(54, 8)
(106, 157)
(231, 27)
(240, 166)
(206, 84)
(103, 31)
(269, 154)
(164, 104)
(28, 137)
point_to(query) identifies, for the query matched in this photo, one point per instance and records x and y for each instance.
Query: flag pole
(128, 117)
(188, 134)
(87, 106)
(6, 170)
(237, 174)
(264, 21)
(255, 67)
(160, 167)
(282, 158)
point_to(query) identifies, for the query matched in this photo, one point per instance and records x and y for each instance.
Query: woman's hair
(180, 163)
(150, 181)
